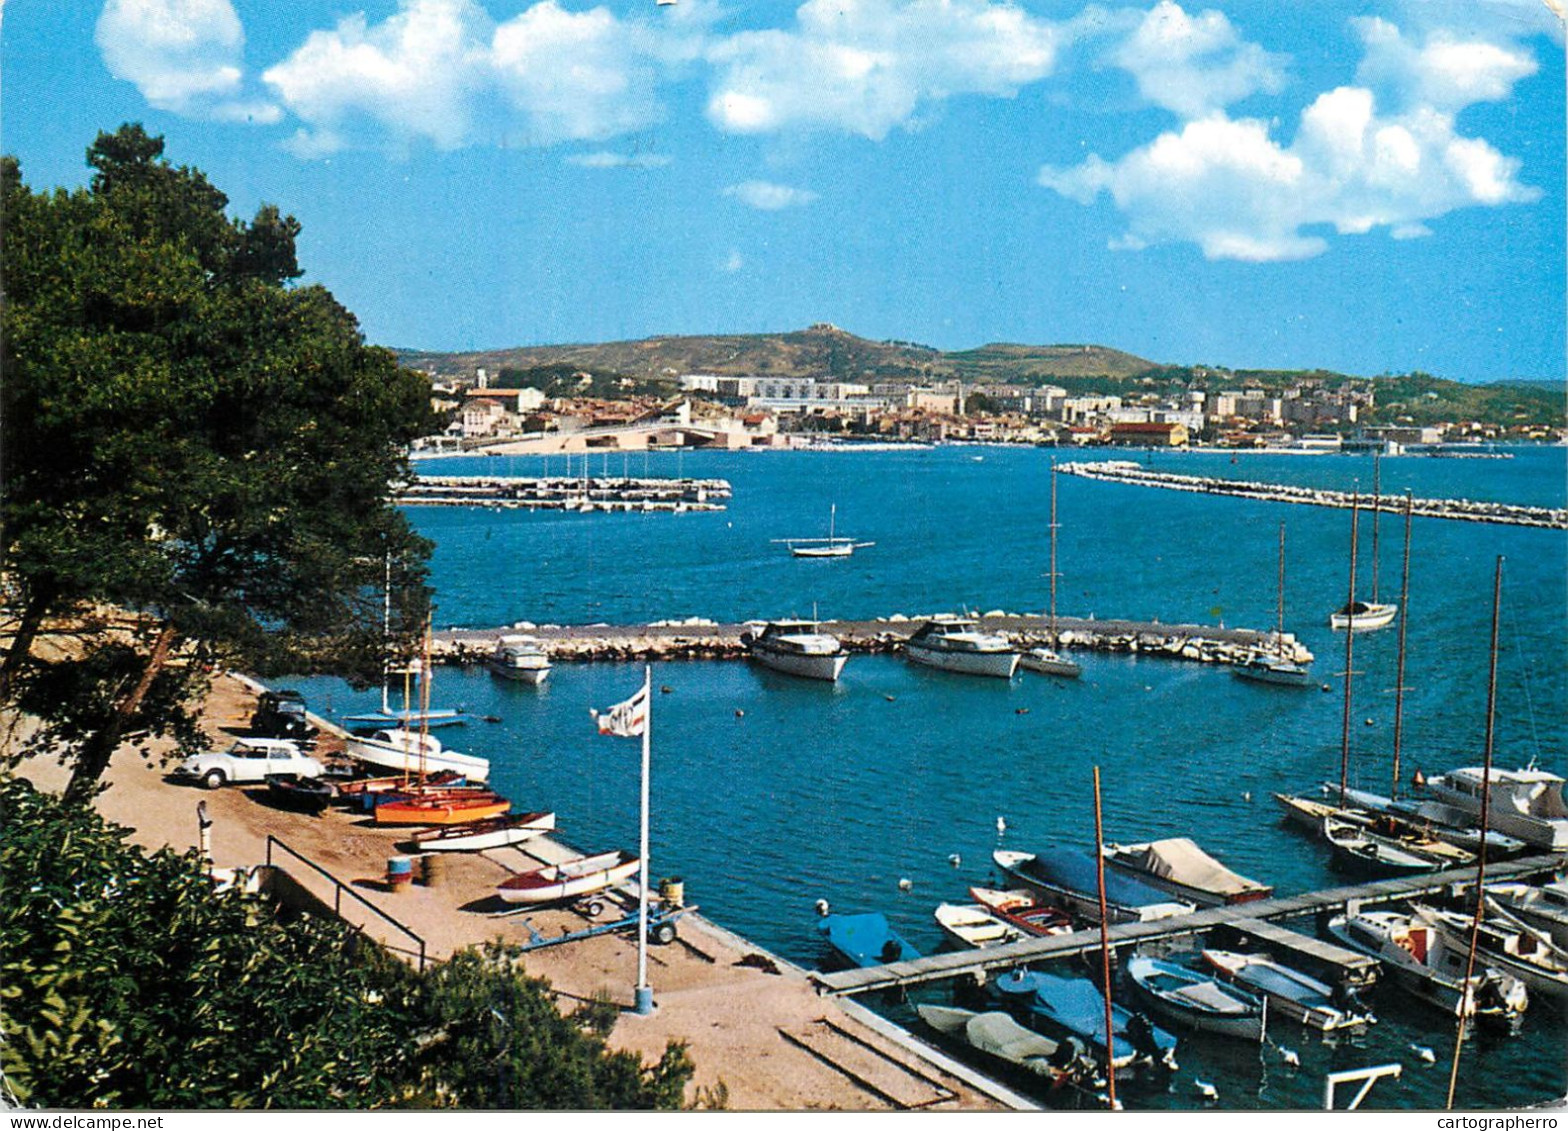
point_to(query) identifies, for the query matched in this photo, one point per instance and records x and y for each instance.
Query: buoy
(1424, 1054)
(822, 907)
(1205, 1089)
(905, 884)
(1369, 722)
(1289, 1056)
(889, 698)
(1001, 825)
(1021, 711)
(1247, 795)
(665, 689)
(739, 714)
(1326, 687)
(955, 860)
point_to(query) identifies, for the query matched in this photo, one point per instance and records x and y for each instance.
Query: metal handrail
(340, 888)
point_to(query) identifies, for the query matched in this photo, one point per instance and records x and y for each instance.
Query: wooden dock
(973, 963)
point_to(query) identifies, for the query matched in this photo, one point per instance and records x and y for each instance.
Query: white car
(249, 760)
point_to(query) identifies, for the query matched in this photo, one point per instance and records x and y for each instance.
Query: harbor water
(883, 792)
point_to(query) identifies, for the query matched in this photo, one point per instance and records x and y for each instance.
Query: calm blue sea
(771, 793)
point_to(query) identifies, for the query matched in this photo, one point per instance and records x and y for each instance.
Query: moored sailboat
(1047, 660)
(1276, 665)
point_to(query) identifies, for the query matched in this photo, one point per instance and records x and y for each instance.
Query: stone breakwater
(580, 493)
(698, 639)
(1465, 510)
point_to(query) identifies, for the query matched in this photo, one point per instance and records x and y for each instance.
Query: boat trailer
(661, 924)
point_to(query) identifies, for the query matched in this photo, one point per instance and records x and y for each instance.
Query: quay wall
(1464, 510)
(706, 640)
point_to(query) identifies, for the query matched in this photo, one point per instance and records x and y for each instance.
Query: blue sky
(1363, 187)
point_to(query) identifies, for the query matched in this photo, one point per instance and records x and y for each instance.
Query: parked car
(281, 714)
(248, 760)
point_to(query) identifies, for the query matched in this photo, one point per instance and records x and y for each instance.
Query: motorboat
(1290, 993)
(1527, 804)
(1047, 661)
(520, 658)
(1197, 1001)
(447, 809)
(865, 939)
(797, 648)
(477, 836)
(414, 752)
(1510, 946)
(956, 644)
(1437, 820)
(1544, 907)
(1424, 964)
(1075, 1007)
(1068, 876)
(973, 924)
(1021, 909)
(1360, 852)
(996, 1034)
(570, 879)
(1359, 616)
(1179, 866)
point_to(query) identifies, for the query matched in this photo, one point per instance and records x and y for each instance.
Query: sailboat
(408, 716)
(1047, 660)
(1276, 667)
(1358, 616)
(830, 547)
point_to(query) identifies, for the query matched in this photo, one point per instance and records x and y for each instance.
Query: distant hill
(822, 351)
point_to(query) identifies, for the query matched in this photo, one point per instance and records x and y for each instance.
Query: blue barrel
(400, 871)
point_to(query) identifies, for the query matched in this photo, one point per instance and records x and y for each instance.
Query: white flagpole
(644, 992)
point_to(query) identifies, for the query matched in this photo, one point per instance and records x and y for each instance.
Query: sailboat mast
(1399, 677)
(386, 638)
(1053, 551)
(1377, 495)
(1350, 648)
(1105, 944)
(832, 521)
(1280, 630)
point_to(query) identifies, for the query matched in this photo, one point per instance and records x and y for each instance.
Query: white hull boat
(1544, 908)
(1179, 866)
(798, 648)
(1197, 1001)
(973, 925)
(1527, 804)
(833, 546)
(1047, 662)
(497, 832)
(409, 752)
(582, 875)
(1513, 948)
(955, 644)
(1363, 615)
(1290, 993)
(520, 658)
(1446, 823)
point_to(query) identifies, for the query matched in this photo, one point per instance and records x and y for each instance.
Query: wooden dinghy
(442, 810)
(476, 836)
(581, 875)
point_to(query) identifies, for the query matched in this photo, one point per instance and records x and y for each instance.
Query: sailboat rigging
(833, 546)
(1358, 616)
(1276, 667)
(1046, 659)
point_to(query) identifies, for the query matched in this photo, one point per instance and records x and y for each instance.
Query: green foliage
(125, 981)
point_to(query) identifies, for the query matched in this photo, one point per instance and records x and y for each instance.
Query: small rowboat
(306, 795)
(1020, 909)
(974, 925)
(1290, 992)
(476, 836)
(581, 875)
(449, 810)
(1197, 1000)
(865, 940)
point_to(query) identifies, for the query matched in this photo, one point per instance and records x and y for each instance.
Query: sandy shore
(772, 1042)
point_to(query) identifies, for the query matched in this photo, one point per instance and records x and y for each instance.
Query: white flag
(625, 720)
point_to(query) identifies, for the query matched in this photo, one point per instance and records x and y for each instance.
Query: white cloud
(1448, 71)
(1193, 65)
(769, 197)
(1229, 187)
(185, 56)
(868, 66)
(604, 159)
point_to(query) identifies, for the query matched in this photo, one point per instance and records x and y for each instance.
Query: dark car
(281, 714)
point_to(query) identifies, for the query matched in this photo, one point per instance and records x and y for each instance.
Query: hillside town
(725, 412)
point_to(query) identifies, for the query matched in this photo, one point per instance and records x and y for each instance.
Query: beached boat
(442, 809)
(833, 546)
(476, 836)
(956, 644)
(306, 795)
(797, 647)
(1068, 876)
(1197, 1001)
(1527, 804)
(1511, 947)
(570, 879)
(1435, 819)
(520, 658)
(1290, 993)
(1431, 970)
(1360, 852)
(865, 939)
(1177, 865)
(412, 752)
(1544, 907)
(1276, 665)
(996, 1034)
(1047, 660)
(1075, 1007)
(1022, 910)
(973, 924)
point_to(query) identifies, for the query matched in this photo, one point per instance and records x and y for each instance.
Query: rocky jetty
(580, 493)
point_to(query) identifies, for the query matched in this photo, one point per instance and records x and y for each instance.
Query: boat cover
(1001, 1036)
(1181, 860)
(1075, 870)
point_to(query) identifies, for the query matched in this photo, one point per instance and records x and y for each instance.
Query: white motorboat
(1048, 662)
(797, 648)
(1512, 947)
(1359, 616)
(1544, 907)
(1432, 970)
(971, 924)
(521, 658)
(956, 644)
(1290, 993)
(1527, 804)
(406, 751)
(1442, 822)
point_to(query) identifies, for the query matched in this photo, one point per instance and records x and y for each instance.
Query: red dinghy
(582, 875)
(1024, 911)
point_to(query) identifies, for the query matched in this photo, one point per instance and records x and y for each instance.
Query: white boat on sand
(477, 836)
(797, 648)
(956, 644)
(581, 875)
(410, 752)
